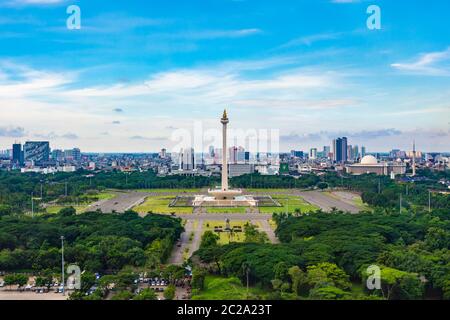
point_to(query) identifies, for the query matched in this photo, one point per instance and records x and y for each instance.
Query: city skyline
(136, 72)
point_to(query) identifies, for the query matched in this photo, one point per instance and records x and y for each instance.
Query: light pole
(62, 265)
(429, 200)
(400, 203)
(32, 205)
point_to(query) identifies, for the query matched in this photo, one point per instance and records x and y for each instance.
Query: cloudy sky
(138, 71)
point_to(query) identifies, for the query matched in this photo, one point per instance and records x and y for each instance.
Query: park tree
(198, 278)
(16, 279)
(397, 284)
(146, 294)
(437, 238)
(209, 239)
(327, 274)
(298, 280)
(123, 295)
(329, 293)
(67, 212)
(253, 235)
(169, 293)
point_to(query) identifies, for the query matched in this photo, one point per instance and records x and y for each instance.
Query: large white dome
(369, 160)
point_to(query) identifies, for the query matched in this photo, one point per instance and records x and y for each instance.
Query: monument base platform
(236, 200)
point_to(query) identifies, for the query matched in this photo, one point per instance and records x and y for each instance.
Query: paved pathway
(265, 226)
(192, 226)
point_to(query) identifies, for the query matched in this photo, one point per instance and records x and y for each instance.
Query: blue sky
(139, 70)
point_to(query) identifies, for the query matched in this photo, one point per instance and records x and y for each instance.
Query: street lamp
(62, 264)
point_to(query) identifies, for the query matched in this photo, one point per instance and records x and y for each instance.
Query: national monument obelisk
(224, 122)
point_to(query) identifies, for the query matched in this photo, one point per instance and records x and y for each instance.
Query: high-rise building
(211, 151)
(344, 149)
(36, 151)
(355, 153)
(187, 159)
(340, 150)
(363, 151)
(350, 152)
(233, 154)
(57, 155)
(326, 151)
(163, 153)
(72, 154)
(313, 153)
(17, 156)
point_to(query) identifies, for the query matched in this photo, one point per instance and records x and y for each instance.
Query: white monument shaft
(224, 121)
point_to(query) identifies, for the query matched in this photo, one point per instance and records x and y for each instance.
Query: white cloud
(432, 63)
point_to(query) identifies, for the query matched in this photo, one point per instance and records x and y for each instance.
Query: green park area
(160, 204)
(226, 237)
(226, 210)
(289, 203)
(220, 288)
(167, 190)
(268, 191)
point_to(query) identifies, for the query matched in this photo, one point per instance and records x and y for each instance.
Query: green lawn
(226, 237)
(160, 204)
(269, 191)
(226, 210)
(102, 196)
(219, 288)
(56, 209)
(169, 190)
(290, 203)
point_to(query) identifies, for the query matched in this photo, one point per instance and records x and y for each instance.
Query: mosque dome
(369, 160)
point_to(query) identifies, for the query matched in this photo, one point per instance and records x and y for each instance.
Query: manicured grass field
(102, 196)
(269, 191)
(226, 210)
(226, 237)
(289, 203)
(160, 204)
(219, 288)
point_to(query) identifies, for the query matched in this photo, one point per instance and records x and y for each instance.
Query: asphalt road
(122, 202)
(327, 202)
(185, 243)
